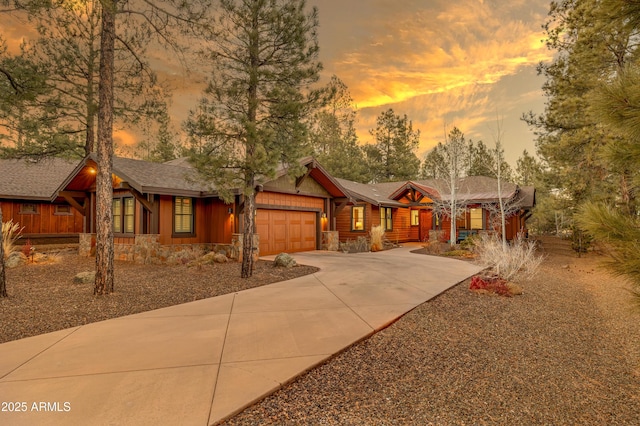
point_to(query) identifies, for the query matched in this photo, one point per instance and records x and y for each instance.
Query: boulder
(88, 277)
(284, 260)
(15, 259)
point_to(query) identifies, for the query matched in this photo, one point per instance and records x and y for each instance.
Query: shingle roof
(374, 193)
(471, 188)
(158, 178)
(28, 180)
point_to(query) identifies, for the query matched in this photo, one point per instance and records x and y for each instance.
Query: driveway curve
(201, 362)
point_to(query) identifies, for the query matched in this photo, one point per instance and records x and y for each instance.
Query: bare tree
(3, 279)
(453, 154)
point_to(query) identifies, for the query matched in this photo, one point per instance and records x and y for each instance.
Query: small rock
(284, 260)
(15, 259)
(220, 258)
(88, 277)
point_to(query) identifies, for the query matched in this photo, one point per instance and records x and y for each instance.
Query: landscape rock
(284, 260)
(15, 259)
(85, 277)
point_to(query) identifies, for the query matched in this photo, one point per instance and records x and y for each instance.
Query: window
(357, 218)
(415, 217)
(62, 210)
(385, 218)
(475, 217)
(129, 214)
(116, 207)
(28, 209)
(183, 215)
(123, 215)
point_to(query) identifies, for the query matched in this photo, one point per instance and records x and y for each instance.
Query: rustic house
(29, 196)
(408, 211)
(163, 213)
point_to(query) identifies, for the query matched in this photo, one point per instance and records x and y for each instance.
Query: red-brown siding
(45, 221)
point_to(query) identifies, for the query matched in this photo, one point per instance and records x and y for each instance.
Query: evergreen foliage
(253, 117)
(392, 155)
(333, 136)
(62, 119)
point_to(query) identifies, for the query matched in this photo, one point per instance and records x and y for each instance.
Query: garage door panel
(286, 231)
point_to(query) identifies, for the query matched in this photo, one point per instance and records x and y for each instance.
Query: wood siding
(45, 221)
(286, 231)
(343, 223)
(291, 201)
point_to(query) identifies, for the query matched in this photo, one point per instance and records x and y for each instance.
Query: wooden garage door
(285, 231)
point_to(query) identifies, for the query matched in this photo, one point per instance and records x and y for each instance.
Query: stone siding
(146, 249)
(330, 240)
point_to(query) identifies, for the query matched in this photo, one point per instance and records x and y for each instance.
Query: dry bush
(10, 234)
(377, 238)
(516, 261)
(433, 247)
(359, 245)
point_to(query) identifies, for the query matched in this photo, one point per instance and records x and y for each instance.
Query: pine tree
(252, 118)
(333, 136)
(392, 155)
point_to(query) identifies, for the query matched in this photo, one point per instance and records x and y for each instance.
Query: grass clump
(377, 238)
(516, 261)
(10, 233)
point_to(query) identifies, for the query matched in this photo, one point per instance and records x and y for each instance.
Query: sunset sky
(462, 63)
(443, 63)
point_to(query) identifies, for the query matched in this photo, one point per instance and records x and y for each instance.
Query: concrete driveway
(201, 362)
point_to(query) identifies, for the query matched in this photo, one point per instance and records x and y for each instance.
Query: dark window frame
(22, 210)
(363, 220)
(386, 218)
(192, 215)
(482, 221)
(120, 219)
(415, 213)
(57, 212)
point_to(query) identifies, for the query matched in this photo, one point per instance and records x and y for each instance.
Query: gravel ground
(566, 352)
(43, 298)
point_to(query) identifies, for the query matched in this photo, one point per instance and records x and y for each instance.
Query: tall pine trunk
(104, 185)
(247, 235)
(3, 279)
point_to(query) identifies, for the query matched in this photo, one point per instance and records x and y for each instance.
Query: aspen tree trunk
(104, 186)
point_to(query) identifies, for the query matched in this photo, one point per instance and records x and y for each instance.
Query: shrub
(494, 285)
(514, 262)
(360, 245)
(10, 234)
(433, 247)
(27, 248)
(377, 238)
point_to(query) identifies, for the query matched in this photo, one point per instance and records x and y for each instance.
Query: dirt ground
(566, 352)
(44, 298)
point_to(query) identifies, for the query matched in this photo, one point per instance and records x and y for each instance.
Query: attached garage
(286, 231)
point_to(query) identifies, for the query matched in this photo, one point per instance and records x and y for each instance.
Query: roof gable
(28, 180)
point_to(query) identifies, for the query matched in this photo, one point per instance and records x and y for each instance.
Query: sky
(464, 63)
(444, 63)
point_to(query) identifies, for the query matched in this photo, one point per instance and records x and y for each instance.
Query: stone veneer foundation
(146, 249)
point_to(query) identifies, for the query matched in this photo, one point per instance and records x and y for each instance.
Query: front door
(426, 223)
